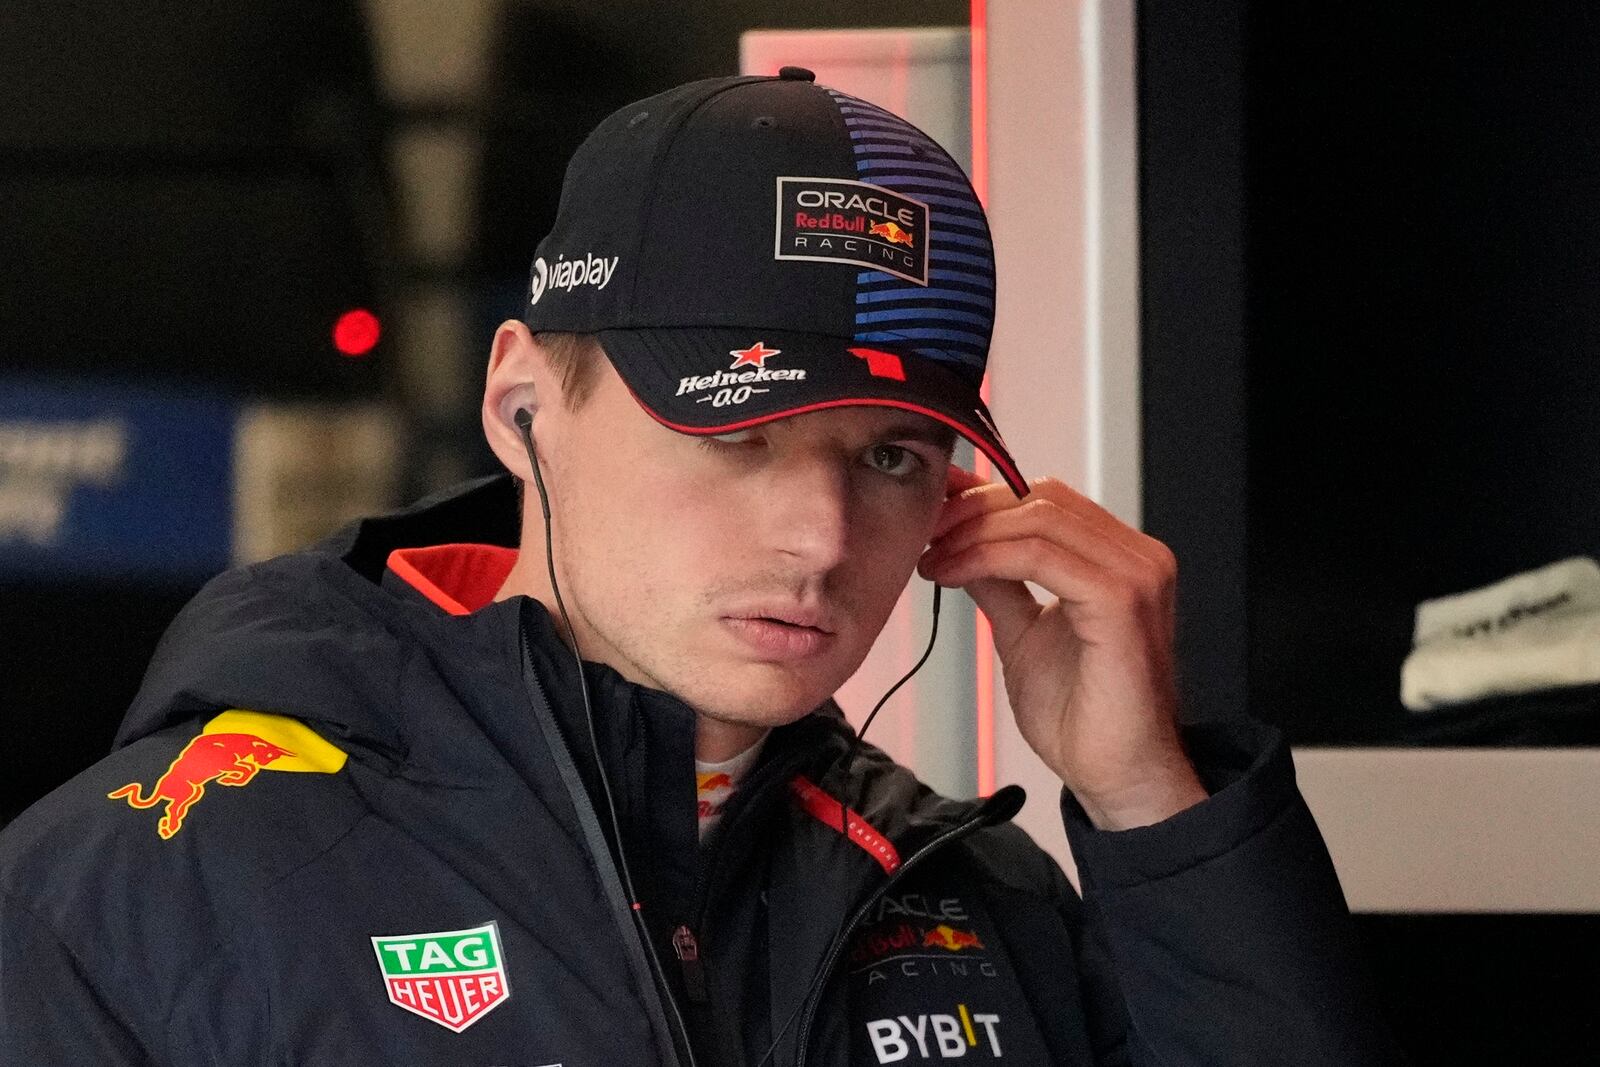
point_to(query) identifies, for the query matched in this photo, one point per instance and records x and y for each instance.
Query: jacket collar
(331, 635)
(458, 579)
(644, 736)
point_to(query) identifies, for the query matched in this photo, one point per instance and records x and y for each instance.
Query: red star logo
(754, 356)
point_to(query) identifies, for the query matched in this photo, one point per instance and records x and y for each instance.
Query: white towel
(1532, 631)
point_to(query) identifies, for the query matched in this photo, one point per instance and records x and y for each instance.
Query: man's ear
(517, 379)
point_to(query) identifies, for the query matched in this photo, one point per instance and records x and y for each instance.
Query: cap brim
(695, 381)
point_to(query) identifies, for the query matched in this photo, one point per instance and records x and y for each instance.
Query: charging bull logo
(227, 759)
(949, 938)
(891, 232)
(231, 750)
(712, 789)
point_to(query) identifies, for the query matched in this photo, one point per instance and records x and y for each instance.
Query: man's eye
(893, 460)
(738, 437)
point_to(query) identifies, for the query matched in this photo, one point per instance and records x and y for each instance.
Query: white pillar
(1063, 207)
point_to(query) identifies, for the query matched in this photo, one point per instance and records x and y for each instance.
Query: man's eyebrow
(942, 436)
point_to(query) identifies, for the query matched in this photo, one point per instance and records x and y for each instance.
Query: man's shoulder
(198, 816)
(151, 867)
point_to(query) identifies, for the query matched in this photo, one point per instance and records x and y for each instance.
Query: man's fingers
(1105, 601)
(1009, 607)
(962, 503)
(1087, 511)
(994, 572)
(1061, 571)
(1058, 512)
(967, 495)
(961, 480)
(1045, 519)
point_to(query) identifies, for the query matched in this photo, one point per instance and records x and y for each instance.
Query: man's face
(748, 575)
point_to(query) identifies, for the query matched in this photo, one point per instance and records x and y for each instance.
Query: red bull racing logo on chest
(453, 978)
(918, 938)
(836, 220)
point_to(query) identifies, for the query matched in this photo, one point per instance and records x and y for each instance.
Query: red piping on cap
(1008, 470)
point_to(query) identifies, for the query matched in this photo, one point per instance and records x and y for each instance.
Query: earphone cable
(524, 423)
(844, 813)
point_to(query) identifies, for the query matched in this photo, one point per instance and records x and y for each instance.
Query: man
(750, 340)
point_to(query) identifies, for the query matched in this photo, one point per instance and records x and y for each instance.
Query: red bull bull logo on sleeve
(453, 978)
(230, 750)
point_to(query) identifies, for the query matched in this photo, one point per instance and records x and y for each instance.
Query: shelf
(1459, 829)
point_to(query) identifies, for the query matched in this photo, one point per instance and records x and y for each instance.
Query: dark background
(189, 198)
(1370, 378)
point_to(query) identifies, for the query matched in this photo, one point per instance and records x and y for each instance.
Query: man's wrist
(1146, 802)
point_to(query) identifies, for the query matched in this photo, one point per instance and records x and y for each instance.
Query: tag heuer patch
(836, 220)
(453, 978)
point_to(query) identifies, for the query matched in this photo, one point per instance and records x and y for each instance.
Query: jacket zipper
(831, 957)
(687, 949)
(772, 775)
(654, 988)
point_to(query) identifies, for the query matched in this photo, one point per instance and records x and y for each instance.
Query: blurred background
(1301, 290)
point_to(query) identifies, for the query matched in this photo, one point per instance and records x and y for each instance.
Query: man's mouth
(786, 622)
(799, 618)
(781, 632)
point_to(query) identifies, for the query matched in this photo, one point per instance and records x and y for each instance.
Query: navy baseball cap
(750, 248)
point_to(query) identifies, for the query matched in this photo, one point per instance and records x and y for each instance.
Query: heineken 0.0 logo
(452, 978)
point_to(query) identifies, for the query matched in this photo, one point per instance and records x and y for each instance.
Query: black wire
(524, 422)
(933, 633)
(844, 817)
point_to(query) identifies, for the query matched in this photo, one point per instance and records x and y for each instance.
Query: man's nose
(812, 518)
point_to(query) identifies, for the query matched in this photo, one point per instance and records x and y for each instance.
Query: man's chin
(762, 701)
(734, 688)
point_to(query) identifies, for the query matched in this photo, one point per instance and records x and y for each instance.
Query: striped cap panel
(952, 317)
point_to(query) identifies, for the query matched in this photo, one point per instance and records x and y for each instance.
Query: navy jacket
(350, 821)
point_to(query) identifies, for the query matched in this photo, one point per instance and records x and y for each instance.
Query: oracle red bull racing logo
(227, 759)
(453, 977)
(916, 937)
(839, 220)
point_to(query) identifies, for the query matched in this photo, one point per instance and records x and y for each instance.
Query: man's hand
(1090, 673)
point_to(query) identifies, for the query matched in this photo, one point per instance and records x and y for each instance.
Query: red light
(356, 332)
